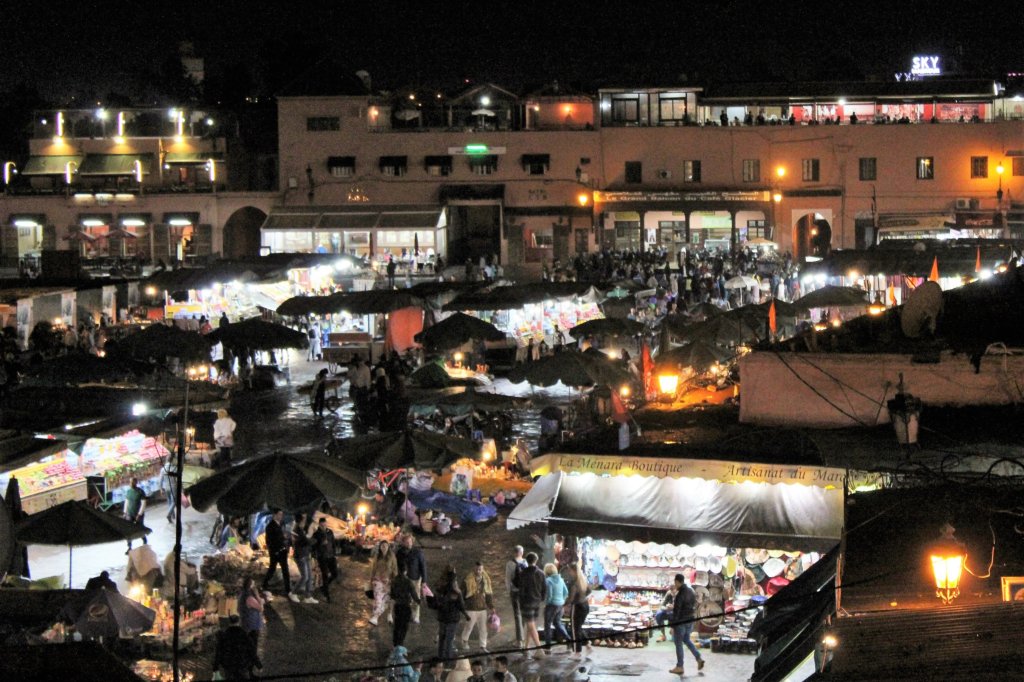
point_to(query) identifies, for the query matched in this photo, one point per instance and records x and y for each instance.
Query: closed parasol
(110, 614)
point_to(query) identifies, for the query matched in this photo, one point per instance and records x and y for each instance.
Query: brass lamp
(948, 559)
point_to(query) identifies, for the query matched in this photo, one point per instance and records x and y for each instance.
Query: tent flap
(535, 507)
(692, 511)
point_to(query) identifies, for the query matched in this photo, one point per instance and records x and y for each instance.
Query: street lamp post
(1000, 169)
(780, 173)
(190, 373)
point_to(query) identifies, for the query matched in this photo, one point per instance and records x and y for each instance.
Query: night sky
(90, 49)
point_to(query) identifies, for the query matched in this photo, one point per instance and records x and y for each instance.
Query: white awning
(787, 516)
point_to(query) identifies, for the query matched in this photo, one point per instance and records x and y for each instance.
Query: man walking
(326, 556)
(277, 547)
(532, 594)
(512, 569)
(411, 556)
(683, 612)
(169, 485)
(135, 507)
(476, 588)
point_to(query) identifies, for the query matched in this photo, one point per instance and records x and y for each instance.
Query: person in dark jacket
(450, 604)
(277, 547)
(326, 556)
(405, 596)
(235, 655)
(101, 582)
(684, 611)
(532, 591)
(411, 556)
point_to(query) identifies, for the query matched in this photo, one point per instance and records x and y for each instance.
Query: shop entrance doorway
(812, 237)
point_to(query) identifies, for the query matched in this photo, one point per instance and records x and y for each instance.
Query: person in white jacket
(224, 437)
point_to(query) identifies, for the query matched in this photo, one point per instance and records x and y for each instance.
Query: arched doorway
(242, 233)
(812, 237)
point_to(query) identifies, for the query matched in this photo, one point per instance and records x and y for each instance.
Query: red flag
(934, 276)
(647, 369)
(620, 414)
(977, 260)
(771, 318)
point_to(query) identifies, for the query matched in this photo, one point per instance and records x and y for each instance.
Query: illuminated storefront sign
(925, 66)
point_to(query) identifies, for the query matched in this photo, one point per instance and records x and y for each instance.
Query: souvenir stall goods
(483, 476)
(109, 464)
(230, 568)
(538, 320)
(636, 576)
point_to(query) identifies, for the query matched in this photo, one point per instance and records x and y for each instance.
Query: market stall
(103, 470)
(738, 532)
(110, 464)
(48, 482)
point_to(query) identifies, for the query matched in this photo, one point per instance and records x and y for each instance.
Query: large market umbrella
(110, 614)
(705, 310)
(76, 523)
(78, 368)
(306, 305)
(258, 334)
(163, 341)
(456, 330)
(607, 326)
(719, 330)
(375, 301)
(698, 356)
(468, 400)
(741, 282)
(833, 297)
(397, 449)
(572, 368)
(281, 480)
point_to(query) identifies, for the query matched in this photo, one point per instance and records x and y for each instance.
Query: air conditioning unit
(664, 174)
(963, 204)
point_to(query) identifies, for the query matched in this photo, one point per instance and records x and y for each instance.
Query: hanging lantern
(948, 558)
(668, 384)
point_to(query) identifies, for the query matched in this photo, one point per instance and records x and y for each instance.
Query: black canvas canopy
(787, 516)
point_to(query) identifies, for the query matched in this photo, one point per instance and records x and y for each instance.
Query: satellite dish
(921, 311)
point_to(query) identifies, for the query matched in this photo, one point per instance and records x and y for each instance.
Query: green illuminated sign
(476, 149)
